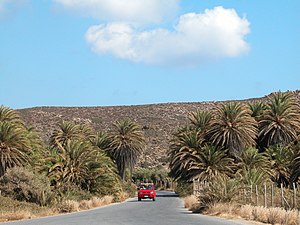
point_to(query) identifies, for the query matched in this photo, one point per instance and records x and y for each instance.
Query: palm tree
(254, 167)
(185, 145)
(257, 109)
(252, 176)
(251, 158)
(14, 146)
(103, 178)
(280, 123)
(101, 140)
(10, 115)
(201, 120)
(205, 163)
(86, 131)
(37, 146)
(72, 161)
(211, 163)
(127, 143)
(233, 128)
(281, 159)
(295, 166)
(191, 158)
(65, 132)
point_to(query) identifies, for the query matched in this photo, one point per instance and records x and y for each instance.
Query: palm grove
(237, 143)
(75, 163)
(240, 144)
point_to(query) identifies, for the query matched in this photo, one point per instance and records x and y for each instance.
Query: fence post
(265, 195)
(272, 195)
(245, 196)
(282, 201)
(256, 193)
(294, 196)
(194, 186)
(251, 194)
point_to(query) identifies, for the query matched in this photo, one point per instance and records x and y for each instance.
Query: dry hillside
(159, 121)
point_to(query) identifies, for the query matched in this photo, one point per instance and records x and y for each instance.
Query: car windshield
(146, 187)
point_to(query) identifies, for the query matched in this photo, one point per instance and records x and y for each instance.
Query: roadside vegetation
(237, 146)
(227, 150)
(77, 168)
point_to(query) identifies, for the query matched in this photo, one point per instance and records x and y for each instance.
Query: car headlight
(151, 192)
(140, 193)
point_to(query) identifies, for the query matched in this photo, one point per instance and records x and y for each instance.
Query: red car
(146, 191)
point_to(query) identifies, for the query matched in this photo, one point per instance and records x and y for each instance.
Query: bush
(95, 202)
(68, 206)
(190, 202)
(129, 188)
(184, 189)
(219, 191)
(71, 192)
(23, 184)
(106, 184)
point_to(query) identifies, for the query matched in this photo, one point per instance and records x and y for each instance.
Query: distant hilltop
(159, 121)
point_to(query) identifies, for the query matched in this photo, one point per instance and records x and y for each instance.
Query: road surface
(166, 210)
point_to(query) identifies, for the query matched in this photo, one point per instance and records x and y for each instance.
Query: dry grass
(224, 209)
(246, 212)
(190, 201)
(69, 206)
(25, 214)
(15, 210)
(19, 215)
(278, 216)
(122, 196)
(97, 202)
(274, 216)
(270, 215)
(74, 206)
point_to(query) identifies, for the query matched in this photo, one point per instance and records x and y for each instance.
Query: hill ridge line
(159, 121)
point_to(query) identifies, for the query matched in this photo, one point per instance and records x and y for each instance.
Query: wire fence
(267, 195)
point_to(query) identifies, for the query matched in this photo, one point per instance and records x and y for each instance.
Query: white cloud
(196, 39)
(130, 11)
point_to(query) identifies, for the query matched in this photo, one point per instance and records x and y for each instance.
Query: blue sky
(132, 52)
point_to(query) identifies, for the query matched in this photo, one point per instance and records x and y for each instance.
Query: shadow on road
(167, 195)
(144, 200)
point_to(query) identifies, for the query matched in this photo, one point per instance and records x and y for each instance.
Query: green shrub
(23, 184)
(129, 188)
(70, 191)
(219, 191)
(184, 189)
(106, 184)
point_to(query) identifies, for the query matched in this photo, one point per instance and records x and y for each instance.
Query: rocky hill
(159, 121)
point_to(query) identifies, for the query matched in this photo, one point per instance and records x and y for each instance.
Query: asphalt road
(167, 210)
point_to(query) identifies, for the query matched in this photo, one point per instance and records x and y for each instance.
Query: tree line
(245, 143)
(75, 161)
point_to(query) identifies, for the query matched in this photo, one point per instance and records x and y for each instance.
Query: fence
(267, 195)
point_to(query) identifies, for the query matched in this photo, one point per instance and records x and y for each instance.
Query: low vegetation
(77, 168)
(14, 210)
(261, 214)
(256, 213)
